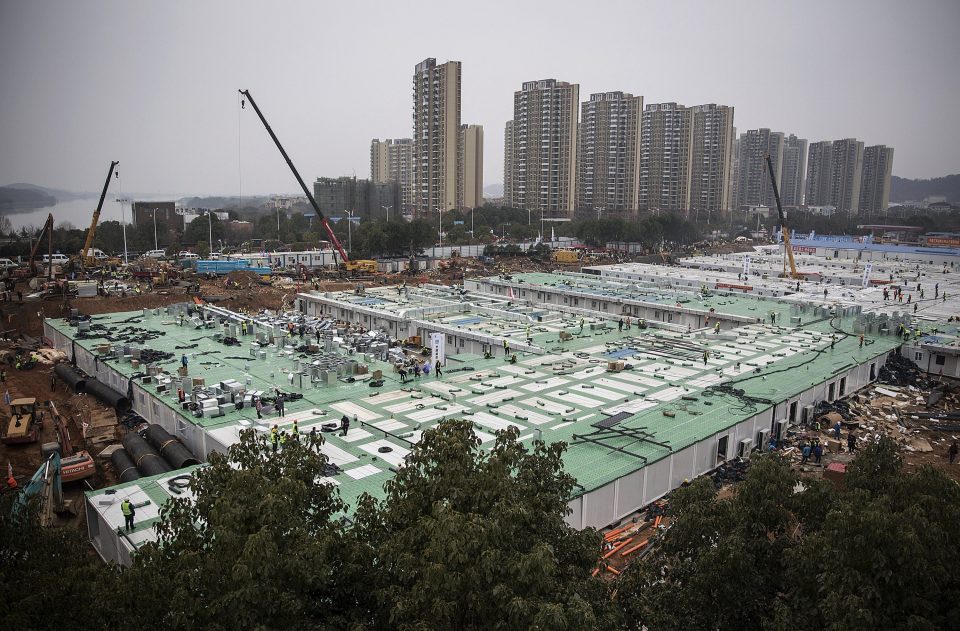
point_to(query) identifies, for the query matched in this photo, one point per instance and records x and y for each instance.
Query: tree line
(474, 538)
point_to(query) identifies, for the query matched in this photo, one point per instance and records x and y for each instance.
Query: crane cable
(243, 105)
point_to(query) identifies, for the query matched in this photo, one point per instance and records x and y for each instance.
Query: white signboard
(746, 265)
(438, 348)
(866, 274)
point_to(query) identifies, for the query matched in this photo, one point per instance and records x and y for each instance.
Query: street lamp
(123, 224)
(387, 208)
(600, 209)
(350, 230)
(441, 227)
(210, 233)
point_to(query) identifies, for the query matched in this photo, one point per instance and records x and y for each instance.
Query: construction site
(124, 381)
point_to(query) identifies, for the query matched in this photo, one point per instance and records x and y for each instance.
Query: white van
(57, 259)
(156, 254)
(98, 254)
(188, 256)
(6, 264)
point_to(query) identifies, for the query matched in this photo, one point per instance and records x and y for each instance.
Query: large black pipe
(148, 461)
(170, 448)
(108, 395)
(124, 465)
(69, 375)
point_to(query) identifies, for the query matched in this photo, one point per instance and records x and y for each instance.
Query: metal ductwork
(145, 457)
(170, 448)
(108, 395)
(71, 376)
(123, 463)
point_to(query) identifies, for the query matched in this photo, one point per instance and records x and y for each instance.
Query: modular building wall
(621, 498)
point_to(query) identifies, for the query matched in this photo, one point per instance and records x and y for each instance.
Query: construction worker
(513, 359)
(3, 375)
(184, 361)
(833, 341)
(274, 434)
(582, 322)
(402, 373)
(716, 328)
(861, 340)
(437, 371)
(506, 347)
(128, 512)
(344, 425)
(620, 325)
(706, 356)
(283, 438)
(258, 404)
(296, 429)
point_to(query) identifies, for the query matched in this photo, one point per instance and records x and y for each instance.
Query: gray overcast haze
(154, 85)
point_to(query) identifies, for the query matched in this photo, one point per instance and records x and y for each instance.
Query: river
(78, 212)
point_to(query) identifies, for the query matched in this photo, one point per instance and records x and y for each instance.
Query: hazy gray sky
(154, 85)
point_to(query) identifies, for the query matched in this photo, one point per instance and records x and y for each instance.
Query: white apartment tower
(711, 146)
(665, 139)
(753, 187)
(608, 163)
(543, 148)
(436, 131)
(470, 161)
(391, 160)
(819, 174)
(847, 175)
(793, 171)
(875, 184)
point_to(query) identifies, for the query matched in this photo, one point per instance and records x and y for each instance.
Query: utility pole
(155, 242)
(210, 226)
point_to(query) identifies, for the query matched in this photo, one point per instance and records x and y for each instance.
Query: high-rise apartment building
(753, 187)
(365, 198)
(470, 161)
(436, 130)
(508, 171)
(847, 175)
(665, 156)
(793, 171)
(819, 174)
(544, 148)
(608, 164)
(711, 145)
(875, 184)
(391, 160)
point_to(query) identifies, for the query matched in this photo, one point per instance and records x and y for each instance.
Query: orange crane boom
(783, 223)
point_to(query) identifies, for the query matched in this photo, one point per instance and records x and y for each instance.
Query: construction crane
(85, 256)
(783, 226)
(47, 231)
(323, 220)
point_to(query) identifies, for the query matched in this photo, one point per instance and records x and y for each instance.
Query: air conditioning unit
(808, 413)
(763, 438)
(746, 445)
(780, 428)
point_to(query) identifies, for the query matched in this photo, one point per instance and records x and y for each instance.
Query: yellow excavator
(86, 254)
(783, 227)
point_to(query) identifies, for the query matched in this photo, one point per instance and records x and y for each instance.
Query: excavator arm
(783, 222)
(85, 256)
(320, 216)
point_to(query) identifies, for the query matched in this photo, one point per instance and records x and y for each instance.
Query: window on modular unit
(917, 357)
(873, 372)
(843, 386)
(793, 411)
(722, 448)
(830, 391)
(940, 360)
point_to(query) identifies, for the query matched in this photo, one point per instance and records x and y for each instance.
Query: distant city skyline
(82, 86)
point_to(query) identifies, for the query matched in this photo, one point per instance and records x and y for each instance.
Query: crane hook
(243, 104)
